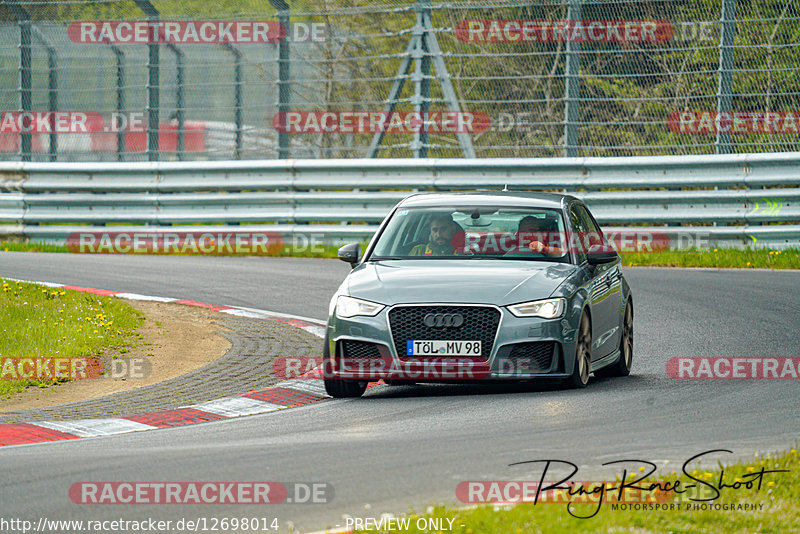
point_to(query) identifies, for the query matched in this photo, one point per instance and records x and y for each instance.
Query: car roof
(488, 198)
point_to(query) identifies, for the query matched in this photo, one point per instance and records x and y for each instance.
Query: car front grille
(479, 324)
(359, 350)
(530, 357)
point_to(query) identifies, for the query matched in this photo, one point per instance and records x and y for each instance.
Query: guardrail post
(572, 67)
(283, 76)
(152, 77)
(725, 72)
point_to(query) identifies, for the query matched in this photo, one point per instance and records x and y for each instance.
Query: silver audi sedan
(464, 287)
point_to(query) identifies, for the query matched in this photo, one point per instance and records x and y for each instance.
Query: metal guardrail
(733, 200)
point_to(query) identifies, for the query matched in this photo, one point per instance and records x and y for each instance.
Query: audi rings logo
(443, 320)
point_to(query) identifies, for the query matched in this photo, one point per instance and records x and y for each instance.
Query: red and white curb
(286, 394)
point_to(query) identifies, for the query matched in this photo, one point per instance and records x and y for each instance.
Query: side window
(594, 238)
(575, 239)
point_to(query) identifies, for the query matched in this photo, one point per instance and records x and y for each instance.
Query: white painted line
(48, 284)
(136, 296)
(263, 314)
(236, 406)
(87, 428)
(318, 331)
(312, 385)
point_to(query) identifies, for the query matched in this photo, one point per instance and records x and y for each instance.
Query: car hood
(499, 282)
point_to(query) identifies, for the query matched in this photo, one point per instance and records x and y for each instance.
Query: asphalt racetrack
(403, 447)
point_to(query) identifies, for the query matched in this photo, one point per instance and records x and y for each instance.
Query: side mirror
(351, 253)
(602, 256)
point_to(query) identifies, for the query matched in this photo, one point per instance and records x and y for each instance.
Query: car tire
(336, 387)
(583, 355)
(622, 367)
(343, 389)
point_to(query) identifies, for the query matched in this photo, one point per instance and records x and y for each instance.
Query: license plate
(443, 348)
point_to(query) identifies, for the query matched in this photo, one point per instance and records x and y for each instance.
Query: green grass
(30, 247)
(779, 495)
(724, 257)
(718, 258)
(43, 322)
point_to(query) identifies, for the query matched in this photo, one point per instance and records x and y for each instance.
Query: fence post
(725, 72)
(283, 76)
(421, 77)
(23, 20)
(572, 68)
(152, 77)
(52, 91)
(179, 96)
(52, 100)
(120, 60)
(237, 98)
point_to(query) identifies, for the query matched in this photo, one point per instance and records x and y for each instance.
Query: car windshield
(473, 232)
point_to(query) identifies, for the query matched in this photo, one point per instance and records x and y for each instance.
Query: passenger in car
(537, 235)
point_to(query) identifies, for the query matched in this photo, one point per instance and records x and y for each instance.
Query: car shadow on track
(501, 388)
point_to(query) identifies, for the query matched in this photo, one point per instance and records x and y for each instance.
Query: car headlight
(350, 307)
(547, 309)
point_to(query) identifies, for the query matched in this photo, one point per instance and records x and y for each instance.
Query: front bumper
(362, 348)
